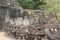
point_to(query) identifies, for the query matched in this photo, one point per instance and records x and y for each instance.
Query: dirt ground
(3, 37)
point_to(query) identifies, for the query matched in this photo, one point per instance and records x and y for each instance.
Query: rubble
(23, 25)
(28, 32)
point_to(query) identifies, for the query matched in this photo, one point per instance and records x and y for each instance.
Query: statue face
(8, 3)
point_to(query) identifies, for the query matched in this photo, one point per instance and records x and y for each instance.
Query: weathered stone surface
(52, 17)
(52, 31)
(11, 3)
(27, 25)
(28, 32)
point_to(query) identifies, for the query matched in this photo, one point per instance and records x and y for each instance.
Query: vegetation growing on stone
(47, 5)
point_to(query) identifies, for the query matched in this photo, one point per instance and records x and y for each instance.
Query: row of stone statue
(45, 28)
(23, 25)
(25, 18)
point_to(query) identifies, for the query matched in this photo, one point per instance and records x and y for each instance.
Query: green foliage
(25, 3)
(31, 4)
(47, 5)
(53, 5)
